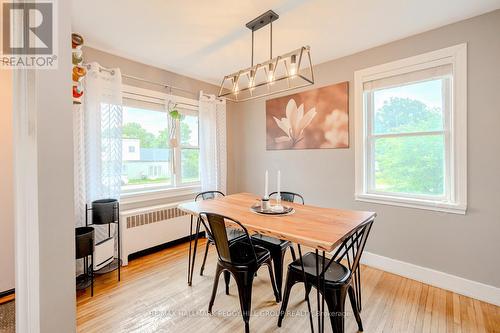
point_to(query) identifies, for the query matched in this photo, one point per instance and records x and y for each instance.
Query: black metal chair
(278, 247)
(233, 234)
(239, 258)
(337, 282)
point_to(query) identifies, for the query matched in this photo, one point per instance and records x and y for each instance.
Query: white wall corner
(469, 288)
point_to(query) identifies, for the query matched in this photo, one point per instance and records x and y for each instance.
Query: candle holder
(278, 200)
(265, 204)
(278, 207)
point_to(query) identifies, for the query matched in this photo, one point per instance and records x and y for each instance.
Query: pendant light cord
(252, 45)
(271, 40)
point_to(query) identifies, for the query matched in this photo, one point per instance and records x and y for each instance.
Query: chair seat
(242, 254)
(270, 242)
(336, 273)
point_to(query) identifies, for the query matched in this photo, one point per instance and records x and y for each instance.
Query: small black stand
(106, 212)
(84, 248)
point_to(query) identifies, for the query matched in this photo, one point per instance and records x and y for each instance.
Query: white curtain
(98, 145)
(213, 151)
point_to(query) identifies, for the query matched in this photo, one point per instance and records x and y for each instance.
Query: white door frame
(26, 199)
(26, 202)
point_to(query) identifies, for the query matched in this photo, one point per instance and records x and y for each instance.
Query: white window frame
(177, 188)
(455, 132)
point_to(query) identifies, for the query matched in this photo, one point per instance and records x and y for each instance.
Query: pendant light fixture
(285, 72)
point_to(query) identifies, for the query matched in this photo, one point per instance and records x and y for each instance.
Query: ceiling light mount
(262, 20)
(288, 71)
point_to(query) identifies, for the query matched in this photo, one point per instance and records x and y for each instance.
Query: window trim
(456, 161)
(176, 187)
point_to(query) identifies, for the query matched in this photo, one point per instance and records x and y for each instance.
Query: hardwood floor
(153, 296)
(7, 298)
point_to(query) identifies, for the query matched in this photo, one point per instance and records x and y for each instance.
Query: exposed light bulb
(251, 81)
(236, 88)
(293, 65)
(270, 73)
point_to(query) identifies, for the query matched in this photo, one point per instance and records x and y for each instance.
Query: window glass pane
(189, 130)
(190, 165)
(145, 153)
(415, 107)
(410, 164)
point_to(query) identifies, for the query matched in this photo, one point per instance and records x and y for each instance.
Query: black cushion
(242, 254)
(336, 273)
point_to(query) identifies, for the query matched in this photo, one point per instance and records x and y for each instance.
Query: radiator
(144, 228)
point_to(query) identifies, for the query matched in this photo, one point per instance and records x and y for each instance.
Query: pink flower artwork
(313, 119)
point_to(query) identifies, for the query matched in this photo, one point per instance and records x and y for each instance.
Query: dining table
(319, 228)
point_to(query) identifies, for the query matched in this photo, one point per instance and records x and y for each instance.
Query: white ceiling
(208, 39)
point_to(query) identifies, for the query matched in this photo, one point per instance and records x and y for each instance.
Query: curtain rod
(159, 99)
(112, 72)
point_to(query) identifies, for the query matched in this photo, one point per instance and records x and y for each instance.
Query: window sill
(440, 206)
(155, 194)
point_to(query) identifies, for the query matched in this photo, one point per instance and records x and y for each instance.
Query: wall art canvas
(313, 119)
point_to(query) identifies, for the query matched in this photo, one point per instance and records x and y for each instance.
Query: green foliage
(411, 164)
(407, 115)
(175, 114)
(162, 140)
(189, 158)
(135, 131)
(185, 133)
(190, 164)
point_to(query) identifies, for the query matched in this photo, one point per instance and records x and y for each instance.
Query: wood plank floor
(153, 296)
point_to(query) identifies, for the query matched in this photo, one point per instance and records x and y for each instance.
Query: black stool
(84, 248)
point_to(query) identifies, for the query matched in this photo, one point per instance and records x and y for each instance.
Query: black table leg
(323, 298)
(320, 282)
(307, 296)
(189, 256)
(197, 232)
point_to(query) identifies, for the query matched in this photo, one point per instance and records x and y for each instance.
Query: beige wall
(140, 70)
(7, 268)
(467, 246)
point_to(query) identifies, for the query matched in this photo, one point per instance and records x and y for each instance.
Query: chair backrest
(217, 230)
(289, 196)
(207, 195)
(352, 247)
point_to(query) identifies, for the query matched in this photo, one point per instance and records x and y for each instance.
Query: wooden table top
(320, 228)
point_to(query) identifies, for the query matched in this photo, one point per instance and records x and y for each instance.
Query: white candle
(266, 186)
(279, 184)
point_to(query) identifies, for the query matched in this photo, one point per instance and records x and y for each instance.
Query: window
(411, 133)
(147, 130)
(149, 162)
(189, 149)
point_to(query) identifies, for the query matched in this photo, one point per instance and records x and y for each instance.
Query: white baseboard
(473, 289)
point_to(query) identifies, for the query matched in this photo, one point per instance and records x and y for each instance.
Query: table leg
(189, 255)
(318, 281)
(323, 298)
(307, 297)
(197, 232)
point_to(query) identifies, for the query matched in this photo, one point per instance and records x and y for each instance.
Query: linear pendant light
(285, 72)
